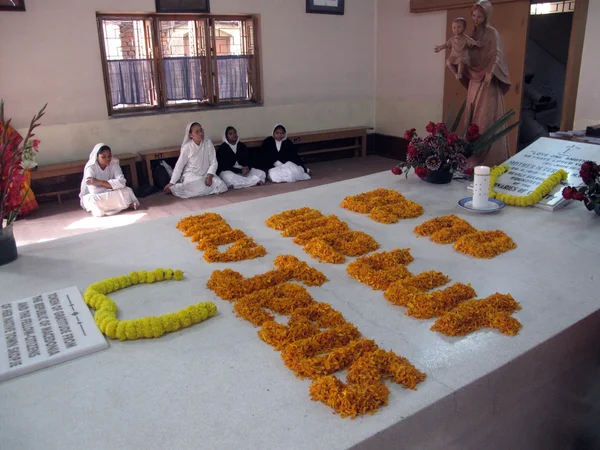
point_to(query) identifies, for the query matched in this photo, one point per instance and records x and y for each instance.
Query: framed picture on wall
(12, 5)
(325, 6)
(182, 6)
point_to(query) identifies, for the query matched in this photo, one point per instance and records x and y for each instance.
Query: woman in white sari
(235, 162)
(195, 172)
(280, 160)
(103, 188)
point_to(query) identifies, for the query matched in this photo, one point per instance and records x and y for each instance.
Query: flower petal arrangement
(383, 205)
(210, 230)
(467, 239)
(146, 327)
(316, 342)
(326, 238)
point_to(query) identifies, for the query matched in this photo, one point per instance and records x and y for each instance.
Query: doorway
(546, 59)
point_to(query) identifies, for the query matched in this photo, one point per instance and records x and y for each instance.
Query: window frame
(157, 62)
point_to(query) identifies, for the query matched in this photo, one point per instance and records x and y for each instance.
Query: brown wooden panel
(511, 20)
(419, 6)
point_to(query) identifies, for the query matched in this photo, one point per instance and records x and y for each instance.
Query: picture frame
(12, 5)
(325, 7)
(182, 6)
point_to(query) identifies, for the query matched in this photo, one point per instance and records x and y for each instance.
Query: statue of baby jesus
(459, 45)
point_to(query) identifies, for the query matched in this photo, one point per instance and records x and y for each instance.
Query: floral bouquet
(16, 157)
(590, 193)
(444, 150)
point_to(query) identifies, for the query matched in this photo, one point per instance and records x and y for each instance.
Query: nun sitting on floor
(279, 158)
(103, 187)
(235, 164)
(195, 171)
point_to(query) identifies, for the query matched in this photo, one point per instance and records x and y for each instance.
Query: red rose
(421, 171)
(430, 127)
(588, 172)
(396, 171)
(578, 196)
(440, 127)
(408, 134)
(473, 129)
(568, 192)
(452, 138)
(469, 171)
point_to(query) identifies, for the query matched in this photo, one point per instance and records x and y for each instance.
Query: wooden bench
(358, 134)
(76, 167)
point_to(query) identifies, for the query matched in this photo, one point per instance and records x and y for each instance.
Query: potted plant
(13, 171)
(436, 157)
(589, 194)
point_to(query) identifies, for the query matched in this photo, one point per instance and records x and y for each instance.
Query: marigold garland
(210, 231)
(485, 244)
(492, 312)
(379, 270)
(326, 238)
(317, 341)
(146, 327)
(383, 205)
(525, 200)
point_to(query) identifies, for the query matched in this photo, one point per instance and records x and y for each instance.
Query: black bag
(161, 177)
(145, 190)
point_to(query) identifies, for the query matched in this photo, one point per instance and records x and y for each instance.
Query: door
(511, 20)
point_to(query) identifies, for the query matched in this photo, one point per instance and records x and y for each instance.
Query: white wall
(319, 73)
(587, 111)
(410, 76)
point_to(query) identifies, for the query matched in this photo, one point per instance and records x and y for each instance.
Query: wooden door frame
(574, 64)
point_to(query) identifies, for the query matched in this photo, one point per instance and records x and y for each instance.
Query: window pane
(128, 53)
(233, 51)
(184, 59)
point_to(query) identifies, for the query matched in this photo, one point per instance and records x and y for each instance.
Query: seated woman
(235, 167)
(279, 158)
(103, 188)
(195, 172)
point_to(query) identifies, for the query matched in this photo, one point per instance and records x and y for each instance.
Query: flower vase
(8, 245)
(439, 177)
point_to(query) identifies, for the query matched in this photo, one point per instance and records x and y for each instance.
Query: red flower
(408, 135)
(421, 172)
(441, 128)
(469, 171)
(578, 196)
(588, 172)
(452, 138)
(431, 127)
(36, 143)
(412, 150)
(396, 171)
(473, 129)
(568, 192)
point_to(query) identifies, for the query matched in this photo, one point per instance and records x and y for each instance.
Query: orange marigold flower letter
(326, 238)
(210, 230)
(383, 205)
(317, 341)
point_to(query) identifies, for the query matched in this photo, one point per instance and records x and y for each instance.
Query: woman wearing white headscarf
(195, 172)
(235, 165)
(279, 158)
(103, 188)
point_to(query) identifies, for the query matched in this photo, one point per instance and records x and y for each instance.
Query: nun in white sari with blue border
(104, 190)
(195, 173)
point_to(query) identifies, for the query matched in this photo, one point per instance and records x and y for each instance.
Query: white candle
(481, 187)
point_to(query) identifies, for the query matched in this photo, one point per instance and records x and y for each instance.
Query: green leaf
(459, 116)
(490, 141)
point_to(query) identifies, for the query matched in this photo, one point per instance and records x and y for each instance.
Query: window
(159, 62)
(553, 8)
